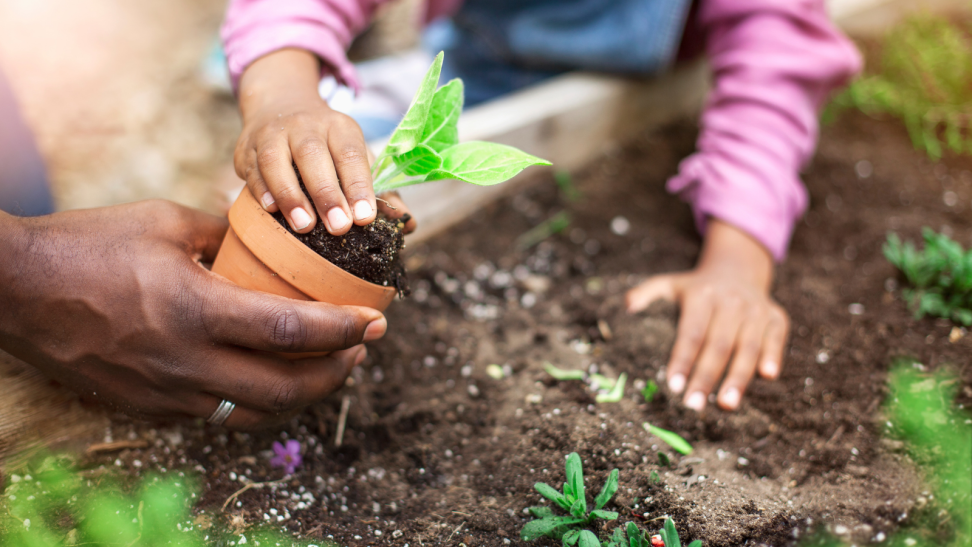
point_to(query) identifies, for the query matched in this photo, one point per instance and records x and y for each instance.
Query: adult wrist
(13, 248)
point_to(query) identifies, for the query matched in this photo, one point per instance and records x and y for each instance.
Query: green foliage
(920, 411)
(553, 225)
(651, 388)
(425, 145)
(561, 374)
(568, 189)
(670, 535)
(673, 440)
(924, 78)
(940, 276)
(47, 504)
(572, 499)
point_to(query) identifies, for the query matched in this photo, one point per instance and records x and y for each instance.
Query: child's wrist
(731, 247)
(284, 76)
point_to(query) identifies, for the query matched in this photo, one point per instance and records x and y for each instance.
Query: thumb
(658, 287)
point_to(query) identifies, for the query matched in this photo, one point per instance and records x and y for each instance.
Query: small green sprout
(616, 393)
(561, 374)
(663, 459)
(425, 146)
(553, 225)
(569, 528)
(671, 439)
(600, 381)
(941, 276)
(565, 183)
(653, 477)
(651, 388)
(670, 536)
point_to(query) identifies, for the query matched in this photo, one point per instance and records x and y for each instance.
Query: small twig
(454, 532)
(461, 513)
(115, 446)
(250, 486)
(835, 437)
(342, 420)
(389, 205)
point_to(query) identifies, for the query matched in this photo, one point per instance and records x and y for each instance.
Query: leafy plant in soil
(940, 276)
(672, 439)
(47, 503)
(424, 147)
(571, 528)
(924, 77)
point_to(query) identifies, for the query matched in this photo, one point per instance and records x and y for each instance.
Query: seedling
(673, 440)
(570, 528)
(616, 393)
(565, 183)
(553, 225)
(670, 536)
(651, 388)
(425, 145)
(561, 374)
(941, 275)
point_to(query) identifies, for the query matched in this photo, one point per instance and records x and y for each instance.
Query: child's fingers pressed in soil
(276, 170)
(320, 178)
(720, 340)
(743, 366)
(350, 155)
(693, 324)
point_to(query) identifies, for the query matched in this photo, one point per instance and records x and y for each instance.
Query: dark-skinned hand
(114, 304)
(730, 327)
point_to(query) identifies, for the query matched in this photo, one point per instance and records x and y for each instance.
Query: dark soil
(370, 252)
(438, 452)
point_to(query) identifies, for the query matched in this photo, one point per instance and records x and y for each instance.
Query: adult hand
(285, 122)
(728, 318)
(114, 304)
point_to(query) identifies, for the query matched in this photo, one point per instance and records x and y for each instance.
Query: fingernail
(676, 383)
(771, 369)
(300, 218)
(267, 200)
(695, 401)
(337, 218)
(375, 330)
(730, 398)
(362, 210)
(361, 356)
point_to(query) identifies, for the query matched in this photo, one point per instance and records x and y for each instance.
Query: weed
(568, 189)
(570, 528)
(651, 388)
(941, 276)
(925, 79)
(616, 393)
(632, 536)
(553, 225)
(607, 389)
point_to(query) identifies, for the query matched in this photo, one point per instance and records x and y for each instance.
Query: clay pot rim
(247, 214)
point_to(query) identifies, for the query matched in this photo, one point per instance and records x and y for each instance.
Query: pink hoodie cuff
(266, 39)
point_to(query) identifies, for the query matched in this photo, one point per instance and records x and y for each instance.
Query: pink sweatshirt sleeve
(774, 65)
(254, 28)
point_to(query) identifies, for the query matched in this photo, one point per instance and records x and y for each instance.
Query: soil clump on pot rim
(438, 452)
(370, 252)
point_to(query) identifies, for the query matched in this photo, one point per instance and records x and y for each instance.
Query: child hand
(727, 318)
(285, 122)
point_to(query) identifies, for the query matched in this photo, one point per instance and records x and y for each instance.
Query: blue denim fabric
(23, 180)
(503, 45)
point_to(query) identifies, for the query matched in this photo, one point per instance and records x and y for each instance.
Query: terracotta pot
(260, 254)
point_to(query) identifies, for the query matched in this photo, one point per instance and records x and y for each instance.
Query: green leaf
(541, 511)
(696, 543)
(579, 508)
(483, 163)
(672, 439)
(546, 527)
(410, 129)
(588, 539)
(551, 494)
(671, 535)
(616, 393)
(561, 374)
(602, 514)
(635, 536)
(418, 161)
(575, 477)
(571, 537)
(608, 490)
(663, 459)
(651, 388)
(653, 477)
(440, 131)
(617, 538)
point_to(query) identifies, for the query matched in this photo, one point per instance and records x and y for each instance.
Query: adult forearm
(13, 246)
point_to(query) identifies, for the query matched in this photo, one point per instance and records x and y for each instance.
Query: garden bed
(438, 452)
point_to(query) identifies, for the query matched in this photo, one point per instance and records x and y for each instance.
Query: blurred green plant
(938, 437)
(924, 78)
(48, 504)
(940, 276)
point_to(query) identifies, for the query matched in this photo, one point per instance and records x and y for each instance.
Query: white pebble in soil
(856, 309)
(620, 225)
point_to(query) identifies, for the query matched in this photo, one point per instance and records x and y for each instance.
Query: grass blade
(673, 440)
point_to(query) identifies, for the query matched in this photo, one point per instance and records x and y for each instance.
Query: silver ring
(222, 412)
